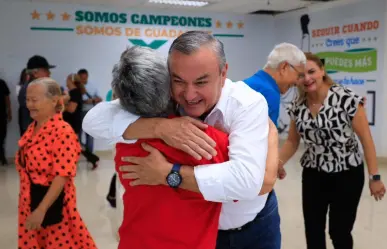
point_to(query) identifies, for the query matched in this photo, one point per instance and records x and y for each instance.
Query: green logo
(350, 61)
(153, 45)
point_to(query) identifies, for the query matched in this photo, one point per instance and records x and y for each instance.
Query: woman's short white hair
(285, 52)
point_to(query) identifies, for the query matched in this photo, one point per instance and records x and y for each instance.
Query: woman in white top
(328, 117)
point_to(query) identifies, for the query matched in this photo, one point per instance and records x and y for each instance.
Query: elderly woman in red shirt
(161, 216)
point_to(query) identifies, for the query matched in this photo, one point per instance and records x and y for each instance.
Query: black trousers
(3, 135)
(338, 192)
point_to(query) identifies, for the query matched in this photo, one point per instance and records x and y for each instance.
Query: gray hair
(141, 81)
(285, 52)
(52, 90)
(191, 41)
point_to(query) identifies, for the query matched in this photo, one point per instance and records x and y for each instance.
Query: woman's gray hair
(191, 41)
(141, 81)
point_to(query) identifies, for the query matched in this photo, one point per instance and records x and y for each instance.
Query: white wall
(97, 53)
(288, 29)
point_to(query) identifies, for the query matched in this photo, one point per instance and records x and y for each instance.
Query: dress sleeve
(291, 110)
(65, 152)
(350, 102)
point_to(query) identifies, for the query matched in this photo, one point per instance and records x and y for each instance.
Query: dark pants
(89, 140)
(340, 192)
(3, 135)
(261, 233)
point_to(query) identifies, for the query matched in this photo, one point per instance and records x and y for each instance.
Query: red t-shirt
(159, 217)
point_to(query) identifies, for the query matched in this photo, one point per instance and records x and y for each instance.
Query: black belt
(248, 224)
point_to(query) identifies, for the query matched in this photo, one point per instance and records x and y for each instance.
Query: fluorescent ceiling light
(181, 2)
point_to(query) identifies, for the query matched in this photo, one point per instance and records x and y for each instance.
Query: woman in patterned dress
(328, 117)
(46, 162)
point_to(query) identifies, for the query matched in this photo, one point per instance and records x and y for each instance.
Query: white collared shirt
(243, 113)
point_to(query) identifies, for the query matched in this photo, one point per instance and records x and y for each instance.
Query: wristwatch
(174, 178)
(375, 177)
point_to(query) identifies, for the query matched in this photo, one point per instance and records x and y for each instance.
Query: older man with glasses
(284, 68)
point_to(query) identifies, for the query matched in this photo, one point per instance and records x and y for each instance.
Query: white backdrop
(67, 46)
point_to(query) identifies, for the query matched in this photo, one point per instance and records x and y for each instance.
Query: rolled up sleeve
(241, 178)
(108, 121)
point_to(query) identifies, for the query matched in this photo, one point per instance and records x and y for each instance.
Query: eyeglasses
(301, 75)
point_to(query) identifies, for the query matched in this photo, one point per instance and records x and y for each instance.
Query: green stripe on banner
(228, 35)
(371, 80)
(351, 61)
(51, 29)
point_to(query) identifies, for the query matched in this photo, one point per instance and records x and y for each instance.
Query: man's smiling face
(196, 80)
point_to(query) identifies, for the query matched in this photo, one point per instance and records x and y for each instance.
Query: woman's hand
(281, 172)
(377, 189)
(34, 221)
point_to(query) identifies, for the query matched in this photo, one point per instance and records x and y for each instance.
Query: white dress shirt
(243, 113)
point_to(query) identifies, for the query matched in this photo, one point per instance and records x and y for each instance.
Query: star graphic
(375, 38)
(229, 24)
(312, 45)
(66, 16)
(35, 15)
(218, 24)
(369, 38)
(50, 16)
(364, 39)
(240, 25)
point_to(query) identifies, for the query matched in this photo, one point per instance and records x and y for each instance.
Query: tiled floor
(370, 229)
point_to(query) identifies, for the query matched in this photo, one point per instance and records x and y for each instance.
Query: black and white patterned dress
(329, 137)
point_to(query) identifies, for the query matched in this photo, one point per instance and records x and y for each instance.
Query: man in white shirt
(201, 90)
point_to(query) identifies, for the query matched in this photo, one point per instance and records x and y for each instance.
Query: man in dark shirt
(37, 67)
(5, 116)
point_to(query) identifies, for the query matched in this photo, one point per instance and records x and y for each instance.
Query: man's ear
(282, 67)
(223, 73)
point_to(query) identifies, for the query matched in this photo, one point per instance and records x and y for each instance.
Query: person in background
(37, 67)
(90, 99)
(284, 68)
(23, 79)
(115, 195)
(111, 196)
(328, 116)
(6, 117)
(73, 112)
(47, 161)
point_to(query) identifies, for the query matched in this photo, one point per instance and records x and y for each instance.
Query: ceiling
(224, 6)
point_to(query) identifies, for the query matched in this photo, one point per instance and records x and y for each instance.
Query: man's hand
(97, 100)
(150, 170)
(89, 101)
(187, 134)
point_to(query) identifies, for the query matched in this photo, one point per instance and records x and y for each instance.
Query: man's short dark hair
(83, 71)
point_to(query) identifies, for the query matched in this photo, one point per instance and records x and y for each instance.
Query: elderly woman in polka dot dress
(46, 162)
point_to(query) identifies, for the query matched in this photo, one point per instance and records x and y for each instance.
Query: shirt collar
(268, 78)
